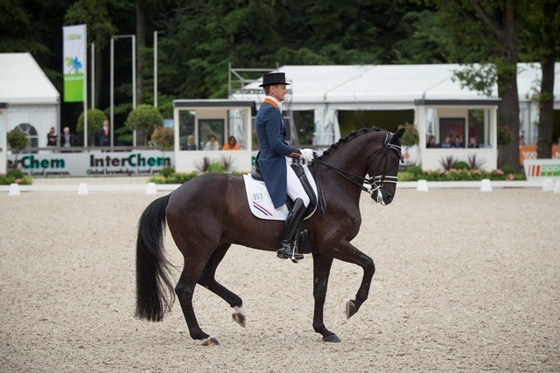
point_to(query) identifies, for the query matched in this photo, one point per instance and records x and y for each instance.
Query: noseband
(378, 180)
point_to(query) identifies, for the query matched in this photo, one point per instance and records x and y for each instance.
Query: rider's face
(278, 91)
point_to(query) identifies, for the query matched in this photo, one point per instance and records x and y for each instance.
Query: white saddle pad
(260, 202)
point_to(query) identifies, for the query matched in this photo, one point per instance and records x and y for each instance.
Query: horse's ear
(397, 135)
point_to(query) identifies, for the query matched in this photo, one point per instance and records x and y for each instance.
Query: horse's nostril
(389, 198)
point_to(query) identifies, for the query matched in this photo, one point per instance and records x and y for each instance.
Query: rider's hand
(307, 155)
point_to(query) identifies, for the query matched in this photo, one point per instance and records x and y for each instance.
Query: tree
(95, 119)
(542, 20)
(17, 140)
(145, 118)
(486, 32)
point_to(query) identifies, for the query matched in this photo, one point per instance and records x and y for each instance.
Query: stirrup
(287, 252)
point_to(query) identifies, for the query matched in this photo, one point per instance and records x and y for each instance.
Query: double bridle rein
(376, 182)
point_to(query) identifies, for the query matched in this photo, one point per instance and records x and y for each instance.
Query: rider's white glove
(307, 155)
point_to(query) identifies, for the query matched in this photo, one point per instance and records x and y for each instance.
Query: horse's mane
(350, 136)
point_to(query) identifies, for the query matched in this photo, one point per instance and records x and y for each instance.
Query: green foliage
(461, 165)
(17, 140)
(167, 171)
(479, 78)
(95, 118)
(459, 175)
(7, 180)
(216, 167)
(507, 169)
(410, 136)
(475, 163)
(202, 38)
(15, 173)
(447, 163)
(173, 178)
(415, 170)
(144, 118)
(504, 135)
(169, 176)
(15, 176)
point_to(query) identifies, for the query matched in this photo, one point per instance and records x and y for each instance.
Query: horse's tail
(154, 291)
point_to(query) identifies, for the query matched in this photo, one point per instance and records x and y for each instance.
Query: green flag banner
(74, 63)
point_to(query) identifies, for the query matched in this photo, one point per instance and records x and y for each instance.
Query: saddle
(300, 172)
(302, 234)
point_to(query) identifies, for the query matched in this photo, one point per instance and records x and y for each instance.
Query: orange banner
(555, 152)
(527, 152)
(530, 152)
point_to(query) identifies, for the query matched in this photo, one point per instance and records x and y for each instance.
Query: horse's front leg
(348, 253)
(321, 270)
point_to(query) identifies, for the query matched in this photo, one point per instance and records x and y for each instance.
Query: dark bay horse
(210, 212)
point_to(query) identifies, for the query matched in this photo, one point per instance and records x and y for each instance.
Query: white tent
(33, 103)
(327, 89)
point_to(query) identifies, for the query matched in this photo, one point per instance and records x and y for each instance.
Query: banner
(74, 62)
(92, 164)
(536, 169)
(530, 152)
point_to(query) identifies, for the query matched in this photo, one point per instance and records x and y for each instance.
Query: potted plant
(409, 139)
(17, 140)
(95, 118)
(145, 118)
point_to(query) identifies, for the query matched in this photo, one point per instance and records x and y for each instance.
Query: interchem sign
(95, 163)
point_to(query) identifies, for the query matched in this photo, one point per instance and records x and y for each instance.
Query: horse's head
(383, 168)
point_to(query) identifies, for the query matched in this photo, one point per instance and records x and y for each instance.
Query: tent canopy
(386, 87)
(22, 82)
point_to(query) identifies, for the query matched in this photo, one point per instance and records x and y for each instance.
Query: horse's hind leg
(321, 270)
(185, 290)
(208, 280)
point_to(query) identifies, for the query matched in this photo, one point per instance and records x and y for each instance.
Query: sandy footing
(465, 281)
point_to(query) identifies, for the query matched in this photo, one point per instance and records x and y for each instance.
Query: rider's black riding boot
(292, 222)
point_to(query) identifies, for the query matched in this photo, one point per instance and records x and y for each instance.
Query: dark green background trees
(201, 37)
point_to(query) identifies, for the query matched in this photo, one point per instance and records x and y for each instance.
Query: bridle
(376, 182)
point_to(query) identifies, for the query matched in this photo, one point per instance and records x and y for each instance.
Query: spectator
(473, 143)
(446, 142)
(52, 137)
(189, 144)
(458, 143)
(212, 144)
(67, 139)
(431, 142)
(231, 144)
(104, 135)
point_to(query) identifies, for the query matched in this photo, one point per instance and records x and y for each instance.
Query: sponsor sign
(92, 164)
(542, 168)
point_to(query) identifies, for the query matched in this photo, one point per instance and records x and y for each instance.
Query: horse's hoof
(210, 342)
(239, 318)
(350, 309)
(331, 338)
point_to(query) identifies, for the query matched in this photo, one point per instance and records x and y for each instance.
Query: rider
(274, 160)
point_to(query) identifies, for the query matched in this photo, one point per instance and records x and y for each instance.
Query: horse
(209, 213)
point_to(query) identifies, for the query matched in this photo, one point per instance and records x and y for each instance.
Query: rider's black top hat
(273, 78)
